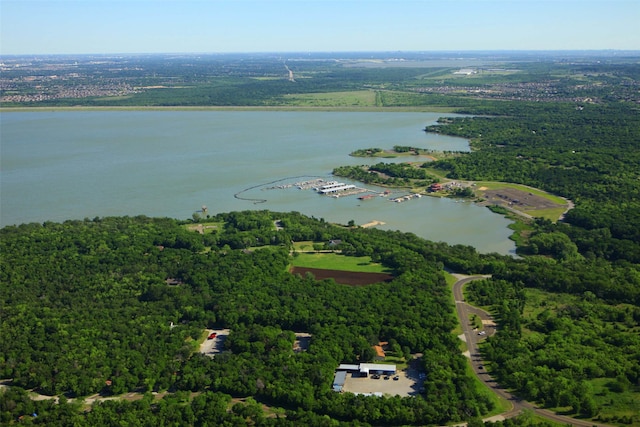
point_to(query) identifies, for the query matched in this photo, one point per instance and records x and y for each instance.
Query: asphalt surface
(472, 338)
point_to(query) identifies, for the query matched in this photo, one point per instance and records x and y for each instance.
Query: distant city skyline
(226, 26)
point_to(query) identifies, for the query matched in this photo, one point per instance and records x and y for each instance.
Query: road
(472, 338)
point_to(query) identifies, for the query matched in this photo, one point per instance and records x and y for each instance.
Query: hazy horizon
(118, 27)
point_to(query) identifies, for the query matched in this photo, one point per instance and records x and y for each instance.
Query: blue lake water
(62, 165)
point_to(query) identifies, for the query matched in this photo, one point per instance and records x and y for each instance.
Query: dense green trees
(588, 154)
(392, 174)
(562, 347)
(551, 352)
(88, 306)
(94, 315)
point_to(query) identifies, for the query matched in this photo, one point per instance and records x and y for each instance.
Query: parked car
(375, 377)
(212, 335)
(386, 377)
(396, 378)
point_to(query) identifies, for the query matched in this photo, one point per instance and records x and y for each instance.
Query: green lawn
(303, 246)
(550, 214)
(334, 261)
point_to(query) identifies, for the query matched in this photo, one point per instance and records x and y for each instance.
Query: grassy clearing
(205, 227)
(303, 246)
(361, 98)
(521, 230)
(615, 406)
(550, 214)
(334, 261)
(400, 362)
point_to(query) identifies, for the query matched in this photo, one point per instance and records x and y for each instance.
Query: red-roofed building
(435, 187)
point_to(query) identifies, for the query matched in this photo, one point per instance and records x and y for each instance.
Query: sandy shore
(372, 224)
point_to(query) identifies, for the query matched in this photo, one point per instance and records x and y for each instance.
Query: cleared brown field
(351, 278)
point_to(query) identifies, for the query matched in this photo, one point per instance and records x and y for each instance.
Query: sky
(244, 26)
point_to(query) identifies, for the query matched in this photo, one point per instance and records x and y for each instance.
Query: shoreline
(422, 109)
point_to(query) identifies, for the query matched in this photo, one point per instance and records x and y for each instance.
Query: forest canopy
(88, 308)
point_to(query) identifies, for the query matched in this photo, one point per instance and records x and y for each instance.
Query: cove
(59, 165)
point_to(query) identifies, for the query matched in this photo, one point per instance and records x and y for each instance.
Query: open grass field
(335, 261)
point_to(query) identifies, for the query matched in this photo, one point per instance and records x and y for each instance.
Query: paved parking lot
(407, 384)
(211, 347)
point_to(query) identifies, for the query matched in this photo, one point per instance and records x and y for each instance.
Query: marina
(336, 189)
(128, 163)
(321, 186)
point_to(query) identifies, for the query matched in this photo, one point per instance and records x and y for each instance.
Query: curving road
(472, 338)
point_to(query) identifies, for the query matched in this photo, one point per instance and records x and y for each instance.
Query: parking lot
(211, 347)
(407, 384)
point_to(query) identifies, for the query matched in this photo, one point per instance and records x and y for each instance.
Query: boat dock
(314, 183)
(329, 188)
(338, 189)
(406, 198)
(349, 192)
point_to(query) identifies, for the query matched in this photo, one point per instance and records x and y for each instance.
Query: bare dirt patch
(351, 278)
(518, 199)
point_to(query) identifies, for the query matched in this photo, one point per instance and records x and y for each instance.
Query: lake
(61, 165)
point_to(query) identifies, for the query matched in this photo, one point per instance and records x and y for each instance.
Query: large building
(339, 380)
(364, 369)
(335, 187)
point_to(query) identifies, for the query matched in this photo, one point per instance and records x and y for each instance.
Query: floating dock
(406, 198)
(338, 189)
(328, 188)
